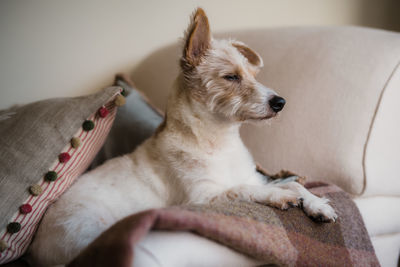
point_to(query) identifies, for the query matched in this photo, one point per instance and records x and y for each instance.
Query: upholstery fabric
(377, 210)
(155, 250)
(33, 137)
(387, 249)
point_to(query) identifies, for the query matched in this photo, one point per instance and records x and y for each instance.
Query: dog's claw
(300, 201)
(321, 218)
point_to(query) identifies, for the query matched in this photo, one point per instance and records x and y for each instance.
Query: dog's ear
(252, 57)
(197, 38)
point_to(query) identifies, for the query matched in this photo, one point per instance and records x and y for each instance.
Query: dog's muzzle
(277, 103)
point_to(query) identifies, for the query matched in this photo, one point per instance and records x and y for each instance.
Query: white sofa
(341, 124)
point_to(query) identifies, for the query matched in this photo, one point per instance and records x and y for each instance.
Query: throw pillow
(45, 146)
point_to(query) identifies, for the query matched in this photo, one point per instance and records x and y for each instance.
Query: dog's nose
(277, 103)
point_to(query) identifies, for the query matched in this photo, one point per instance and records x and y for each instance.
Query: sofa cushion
(387, 249)
(45, 146)
(155, 249)
(378, 218)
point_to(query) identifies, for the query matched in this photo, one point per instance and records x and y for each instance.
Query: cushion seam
(385, 235)
(371, 126)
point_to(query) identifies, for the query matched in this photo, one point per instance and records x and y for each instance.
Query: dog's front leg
(273, 195)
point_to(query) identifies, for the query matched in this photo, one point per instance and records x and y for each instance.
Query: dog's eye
(232, 77)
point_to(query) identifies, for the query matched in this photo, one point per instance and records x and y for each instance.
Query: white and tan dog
(195, 156)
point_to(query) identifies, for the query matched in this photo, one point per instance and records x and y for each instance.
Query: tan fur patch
(183, 128)
(285, 203)
(251, 56)
(232, 195)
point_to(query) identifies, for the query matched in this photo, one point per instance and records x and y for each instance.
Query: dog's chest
(229, 166)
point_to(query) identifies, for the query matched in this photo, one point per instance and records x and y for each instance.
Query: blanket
(273, 236)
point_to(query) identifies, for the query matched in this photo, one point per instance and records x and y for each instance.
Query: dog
(196, 155)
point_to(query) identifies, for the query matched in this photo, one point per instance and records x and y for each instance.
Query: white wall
(52, 48)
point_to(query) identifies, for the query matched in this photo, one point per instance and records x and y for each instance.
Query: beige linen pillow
(45, 146)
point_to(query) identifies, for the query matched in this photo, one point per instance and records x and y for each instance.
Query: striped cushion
(67, 169)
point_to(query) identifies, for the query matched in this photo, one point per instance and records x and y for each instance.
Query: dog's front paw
(319, 210)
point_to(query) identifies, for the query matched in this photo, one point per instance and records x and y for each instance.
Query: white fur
(197, 157)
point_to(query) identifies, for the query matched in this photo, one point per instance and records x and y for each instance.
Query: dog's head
(221, 75)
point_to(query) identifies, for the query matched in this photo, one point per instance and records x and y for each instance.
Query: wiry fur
(196, 155)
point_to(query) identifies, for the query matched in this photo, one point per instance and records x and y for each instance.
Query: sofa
(340, 125)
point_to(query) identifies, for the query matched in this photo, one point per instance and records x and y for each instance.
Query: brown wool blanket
(285, 238)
